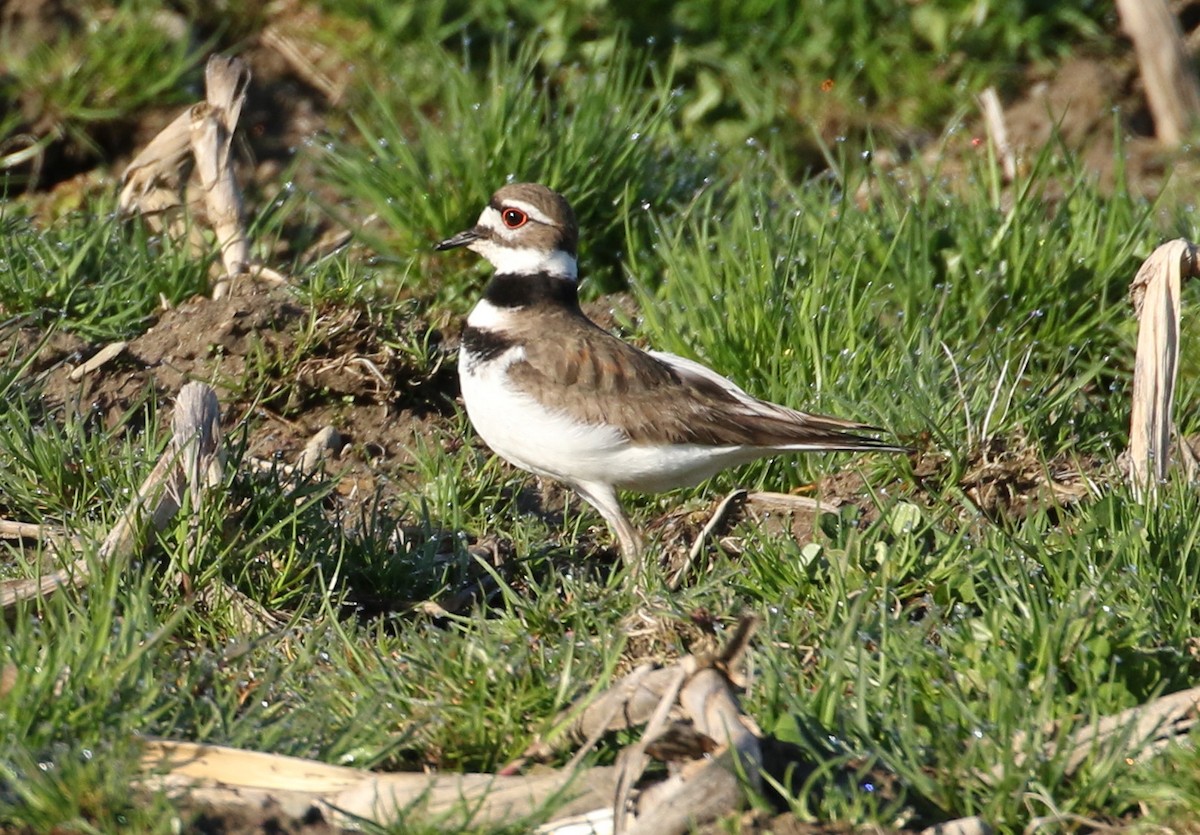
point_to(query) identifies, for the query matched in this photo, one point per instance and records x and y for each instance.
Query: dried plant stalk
(212, 127)
(1132, 734)
(105, 355)
(997, 129)
(714, 789)
(195, 449)
(1138, 730)
(1155, 295)
(693, 689)
(154, 183)
(1172, 90)
(196, 433)
(221, 775)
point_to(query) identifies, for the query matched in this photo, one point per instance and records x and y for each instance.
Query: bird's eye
(514, 218)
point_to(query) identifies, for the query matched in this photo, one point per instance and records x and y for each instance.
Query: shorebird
(555, 394)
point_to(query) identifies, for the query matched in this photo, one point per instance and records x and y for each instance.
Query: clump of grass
(955, 680)
(66, 470)
(922, 296)
(92, 274)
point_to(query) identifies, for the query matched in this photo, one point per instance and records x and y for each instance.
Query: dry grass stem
(186, 464)
(1155, 293)
(54, 538)
(997, 129)
(296, 54)
(98, 360)
(789, 502)
(230, 776)
(735, 497)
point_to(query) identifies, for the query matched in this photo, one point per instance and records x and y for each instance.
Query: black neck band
(512, 290)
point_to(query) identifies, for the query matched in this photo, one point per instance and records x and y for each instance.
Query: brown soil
(1087, 104)
(287, 370)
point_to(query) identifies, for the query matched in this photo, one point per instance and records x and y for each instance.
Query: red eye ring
(513, 218)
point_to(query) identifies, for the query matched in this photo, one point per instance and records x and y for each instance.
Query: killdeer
(553, 393)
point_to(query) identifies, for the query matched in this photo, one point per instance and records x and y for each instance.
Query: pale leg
(604, 499)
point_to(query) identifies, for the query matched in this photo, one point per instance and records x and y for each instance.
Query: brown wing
(597, 378)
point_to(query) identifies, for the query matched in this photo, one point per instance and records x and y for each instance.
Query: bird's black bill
(461, 239)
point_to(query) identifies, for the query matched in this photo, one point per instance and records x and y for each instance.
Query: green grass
(597, 134)
(764, 68)
(85, 71)
(936, 673)
(927, 298)
(92, 274)
(944, 640)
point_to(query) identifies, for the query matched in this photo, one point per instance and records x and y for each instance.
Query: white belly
(544, 441)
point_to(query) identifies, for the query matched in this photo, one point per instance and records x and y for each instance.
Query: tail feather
(830, 434)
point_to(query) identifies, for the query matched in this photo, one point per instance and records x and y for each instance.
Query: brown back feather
(600, 379)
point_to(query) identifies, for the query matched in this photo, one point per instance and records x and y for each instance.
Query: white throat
(517, 260)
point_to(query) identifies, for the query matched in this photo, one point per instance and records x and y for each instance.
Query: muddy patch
(282, 368)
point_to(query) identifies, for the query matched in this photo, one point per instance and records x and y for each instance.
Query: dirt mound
(285, 368)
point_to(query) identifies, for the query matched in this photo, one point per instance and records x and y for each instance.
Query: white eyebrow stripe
(531, 210)
(491, 219)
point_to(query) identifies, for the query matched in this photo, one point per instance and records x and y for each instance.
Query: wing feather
(662, 398)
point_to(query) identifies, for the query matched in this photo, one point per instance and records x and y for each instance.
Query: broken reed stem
(232, 777)
(714, 789)
(212, 125)
(1130, 734)
(196, 429)
(210, 144)
(194, 450)
(608, 711)
(997, 130)
(55, 540)
(1155, 293)
(698, 690)
(98, 360)
(154, 183)
(634, 759)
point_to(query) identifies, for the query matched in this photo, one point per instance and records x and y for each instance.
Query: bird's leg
(633, 550)
(604, 498)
